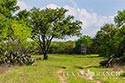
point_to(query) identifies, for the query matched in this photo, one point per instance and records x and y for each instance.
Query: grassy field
(60, 68)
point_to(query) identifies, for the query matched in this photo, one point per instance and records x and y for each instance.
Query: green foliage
(15, 46)
(52, 23)
(104, 42)
(23, 17)
(7, 7)
(120, 18)
(24, 14)
(21, 31)
(120, 21)
(110, 39)
(4, 25)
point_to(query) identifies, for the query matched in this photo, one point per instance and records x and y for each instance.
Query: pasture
(61, 68)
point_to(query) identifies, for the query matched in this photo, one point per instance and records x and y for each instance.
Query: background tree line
(69, 47)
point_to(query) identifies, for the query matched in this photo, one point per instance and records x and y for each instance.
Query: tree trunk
(45, 56)
(45, 44)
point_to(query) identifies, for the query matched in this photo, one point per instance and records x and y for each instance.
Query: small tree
(52, 23)
(14, 44)
(14, 34)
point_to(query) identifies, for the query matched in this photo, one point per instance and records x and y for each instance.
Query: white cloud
(53, 6)
(91, 21)
(22, 4)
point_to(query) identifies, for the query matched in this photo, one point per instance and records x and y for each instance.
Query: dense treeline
(72, 47)
(62, 47)
(110, 41)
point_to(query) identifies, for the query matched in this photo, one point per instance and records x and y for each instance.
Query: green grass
(44, 71)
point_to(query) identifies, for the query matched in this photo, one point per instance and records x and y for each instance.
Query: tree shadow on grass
(86, 67)
(62, 67)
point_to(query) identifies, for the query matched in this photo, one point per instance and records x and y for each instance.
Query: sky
(92, 13)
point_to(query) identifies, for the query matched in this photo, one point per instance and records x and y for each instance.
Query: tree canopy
(8, 7)
(104, 40)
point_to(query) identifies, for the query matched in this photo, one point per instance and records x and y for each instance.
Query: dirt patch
(3, 68)
(59, 74)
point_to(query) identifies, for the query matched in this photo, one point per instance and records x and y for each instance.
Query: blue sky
(93, 13)
(103, 7)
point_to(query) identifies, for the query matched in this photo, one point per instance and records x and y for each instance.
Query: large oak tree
(52, 23)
